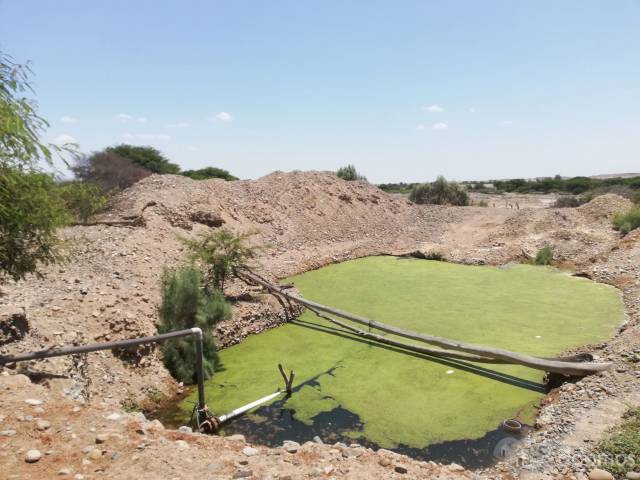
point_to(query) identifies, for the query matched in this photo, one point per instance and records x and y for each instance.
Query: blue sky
(405, 90)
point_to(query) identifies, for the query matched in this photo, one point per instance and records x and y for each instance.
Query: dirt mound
(605, 207)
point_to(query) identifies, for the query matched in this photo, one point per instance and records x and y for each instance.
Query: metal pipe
(95, 347)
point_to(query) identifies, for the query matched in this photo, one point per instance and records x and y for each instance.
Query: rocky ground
(110, 290)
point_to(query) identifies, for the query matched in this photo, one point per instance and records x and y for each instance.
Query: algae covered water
(349, 389)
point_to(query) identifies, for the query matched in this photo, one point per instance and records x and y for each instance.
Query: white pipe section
(247, 407)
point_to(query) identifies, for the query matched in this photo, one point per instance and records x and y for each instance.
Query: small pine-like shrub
(221, 254)
(625, 222)
(636, 197)
(186, 304)
(440, 192)
(544, 256)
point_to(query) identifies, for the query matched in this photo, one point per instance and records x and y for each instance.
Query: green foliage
(440, 192)
(20, 124)
(222, 253)
(544, 256)
(82, 200)
(400, 187)
(186, 304)
(636, 198)
(622, 445)
(108, 170)
(575, 185)
(350, 174)
(625, 222)
(149, 158)
(209, 172)
(31, 210)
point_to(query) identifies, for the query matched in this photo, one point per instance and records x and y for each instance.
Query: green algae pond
(351, 390)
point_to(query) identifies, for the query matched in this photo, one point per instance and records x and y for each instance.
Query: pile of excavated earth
(67, 416)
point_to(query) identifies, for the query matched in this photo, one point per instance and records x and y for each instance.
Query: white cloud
(141, 119)
(193, 149)
(506, 123)
(63, 139)
(420, 127)
(439, 126)
(434, 109)
(67, 119)
(472, 109)
(222, 117)
(177, 125)
(123, 117)
(146, 137)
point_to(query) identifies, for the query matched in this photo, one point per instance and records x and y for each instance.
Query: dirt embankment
(110, 288)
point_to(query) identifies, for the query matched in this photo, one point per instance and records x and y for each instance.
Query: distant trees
(108, 170)
(149, 158)
(208, 172)
(31, 209)
(350, 174)
(440, 192)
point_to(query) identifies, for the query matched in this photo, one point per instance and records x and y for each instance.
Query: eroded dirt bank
(110, 290)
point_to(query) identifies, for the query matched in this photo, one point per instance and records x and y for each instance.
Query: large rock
(598, 474)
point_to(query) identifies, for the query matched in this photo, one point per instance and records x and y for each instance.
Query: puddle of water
(349, 389)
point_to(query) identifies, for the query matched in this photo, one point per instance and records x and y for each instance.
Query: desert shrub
(440, 192)
(567, 201)
(108, 170)
(31, 210)
(481, 203)
(636, 198)
(625, 222)
(621, 447)
(350, 174)
(544, 256)
(221, 254)
(209, 172)
(82, 200)
(186, 304)
(149, 158)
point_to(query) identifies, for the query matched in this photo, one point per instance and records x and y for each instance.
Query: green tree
(440, 192)
(209, 172)
(82, 200)
(31, 208)
(148, 158)
(186, 304)
(350, 174)
(222, 254)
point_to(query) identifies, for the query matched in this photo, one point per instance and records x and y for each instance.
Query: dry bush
(108, 170)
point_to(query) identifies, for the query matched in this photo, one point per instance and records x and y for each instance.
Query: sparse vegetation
(149, 158)
(621, 448)
(567, 201)
(626, 222)
(350, 174)
(440, 192)
(187, 303)
(209, 172)
(82, 200)
(221, 254)
(544, 256)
